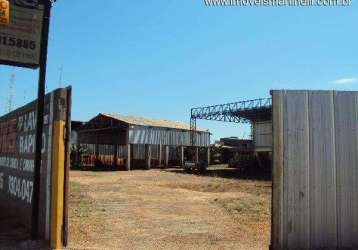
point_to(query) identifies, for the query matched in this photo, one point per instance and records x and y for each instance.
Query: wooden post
(166, 156)
(128, 162)
(160, 157)
(182, 156)
(148, 156)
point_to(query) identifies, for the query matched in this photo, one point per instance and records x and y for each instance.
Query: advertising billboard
(17, 163)
(20, 32)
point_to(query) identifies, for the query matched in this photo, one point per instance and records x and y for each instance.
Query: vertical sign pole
(40, 118)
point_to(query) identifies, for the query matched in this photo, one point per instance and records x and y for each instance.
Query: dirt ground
(169, 209)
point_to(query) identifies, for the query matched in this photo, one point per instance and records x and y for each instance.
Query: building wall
(262, 133)
(315, 171)
(163, 136)
(111, 144)
(110, 137)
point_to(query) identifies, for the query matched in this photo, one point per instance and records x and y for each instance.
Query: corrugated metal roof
(141, 121)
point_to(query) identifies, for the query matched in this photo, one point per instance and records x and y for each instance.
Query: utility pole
(40, 118)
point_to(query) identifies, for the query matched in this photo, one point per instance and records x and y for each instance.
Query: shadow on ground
(214, 171)
(14, 236)
(102, 168)
(225, 172)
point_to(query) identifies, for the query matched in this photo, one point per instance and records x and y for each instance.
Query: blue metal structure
(237, 112)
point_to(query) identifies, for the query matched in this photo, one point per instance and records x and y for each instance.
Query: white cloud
(345, 81)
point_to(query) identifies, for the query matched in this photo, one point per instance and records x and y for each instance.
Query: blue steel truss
(236, 112)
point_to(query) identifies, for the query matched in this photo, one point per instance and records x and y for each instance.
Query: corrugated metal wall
(163, 136)
(104, 149)
(88, 148)
(315, 172)
(262, 132)
(121, 151)
(155, 152)
(174, 153)
(138, 151)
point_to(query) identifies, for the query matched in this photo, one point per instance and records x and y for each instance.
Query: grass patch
(220, 185)
(248, 209)
(246, 186)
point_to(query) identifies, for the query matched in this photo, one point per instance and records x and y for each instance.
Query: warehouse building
(127, 141)
(257, 113)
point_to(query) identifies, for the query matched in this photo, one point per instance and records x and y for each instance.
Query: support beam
(128, 160)
(96, 152)
(257, 155)
(182, 163)
(115, 155)
(196, 155)
(57, 187)
(166, 156)
(239, 112)
(148, 156)
(160, 155)
(208, 155)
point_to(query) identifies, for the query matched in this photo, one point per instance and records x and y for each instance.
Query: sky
(160, 58)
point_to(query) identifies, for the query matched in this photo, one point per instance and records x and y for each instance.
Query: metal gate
(315, 170)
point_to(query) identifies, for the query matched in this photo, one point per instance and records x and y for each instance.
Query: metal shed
(255, 112)
(111, 139)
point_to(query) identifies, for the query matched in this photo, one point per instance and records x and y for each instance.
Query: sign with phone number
(20, 32)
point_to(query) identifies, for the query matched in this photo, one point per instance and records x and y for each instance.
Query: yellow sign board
(4, 12)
